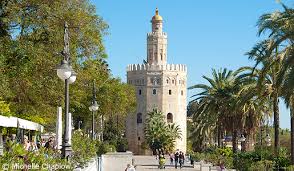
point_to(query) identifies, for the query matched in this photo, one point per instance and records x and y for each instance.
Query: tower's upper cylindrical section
(157, 42)
(156, 22)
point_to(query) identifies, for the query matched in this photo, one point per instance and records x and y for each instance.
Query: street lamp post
(243, 143)
(79, 124)
(66, 73)
(94, 107)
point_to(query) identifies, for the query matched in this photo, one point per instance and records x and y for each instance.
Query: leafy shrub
(290, 168)
(246, 160)
(103, 148)
(16, 155)
(122, 145)
(262, 165)
(216, 156)
(283, 160)
(197, 156)
(84, 148)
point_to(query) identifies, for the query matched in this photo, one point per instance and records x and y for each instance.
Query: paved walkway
(149, 163)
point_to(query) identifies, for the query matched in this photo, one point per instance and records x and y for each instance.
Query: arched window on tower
(154, 91)
(169, 92)
(169, 118)
(139, 118)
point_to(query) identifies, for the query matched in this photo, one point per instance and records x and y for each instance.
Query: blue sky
(201, 34)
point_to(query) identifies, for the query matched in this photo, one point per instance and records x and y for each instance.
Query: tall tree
(31, 39)
(159, 134)
(271, 54)
(224, 103)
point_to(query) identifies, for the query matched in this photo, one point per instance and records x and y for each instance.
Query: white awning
(8, 121)
(15, 122)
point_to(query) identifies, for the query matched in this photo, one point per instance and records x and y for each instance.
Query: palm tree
(288, 95)
(271, 54)
(203, 125)
(158, 133)
(220, 101)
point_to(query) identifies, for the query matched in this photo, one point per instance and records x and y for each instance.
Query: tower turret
(157, 42)
(156, 22)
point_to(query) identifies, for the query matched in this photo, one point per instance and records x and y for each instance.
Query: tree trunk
(219, 136)
(260, 135)
(276, 123)
(292, 135)
(234, 141)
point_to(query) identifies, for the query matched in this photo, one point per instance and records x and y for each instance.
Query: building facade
(158, 85)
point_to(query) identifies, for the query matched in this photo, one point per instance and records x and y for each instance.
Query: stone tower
(158, 85)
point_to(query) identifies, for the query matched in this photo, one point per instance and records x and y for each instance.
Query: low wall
(116, 161)
(93, 165)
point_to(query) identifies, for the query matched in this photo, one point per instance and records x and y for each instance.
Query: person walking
(171, 158)
(181, 159)
(176, 159)
(192, 161)
(161, 161)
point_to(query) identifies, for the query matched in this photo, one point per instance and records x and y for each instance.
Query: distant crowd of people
(177, 159)
(35, 146)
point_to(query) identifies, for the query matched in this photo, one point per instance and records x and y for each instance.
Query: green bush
(197, 156)
(44, 158)
(290, 168)
(247, 160)
(84, 148)
(122, 145)
(103, 148)
(216, 156)
(262, 165)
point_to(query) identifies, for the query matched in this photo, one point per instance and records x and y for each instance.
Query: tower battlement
(148, 67)
(157, 33)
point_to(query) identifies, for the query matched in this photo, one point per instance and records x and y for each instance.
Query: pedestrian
(181, 159)
(26, 144)
(222, 166)
(192, 161)
(176, 159)
(161, 161)
(49, 144)
(33, 146)
(130, 168)
(171, 158)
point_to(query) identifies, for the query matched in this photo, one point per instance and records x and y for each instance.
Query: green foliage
(216, 156)
(103, 148)
(262, 165)
(84, 148)
(261, 156)
(4, 108)
(122, 145)
(197, 156)
(43, 158)
(227, 102)
(290, 168)
(159, 134)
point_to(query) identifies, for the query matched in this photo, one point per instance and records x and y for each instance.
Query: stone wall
(116, 161)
